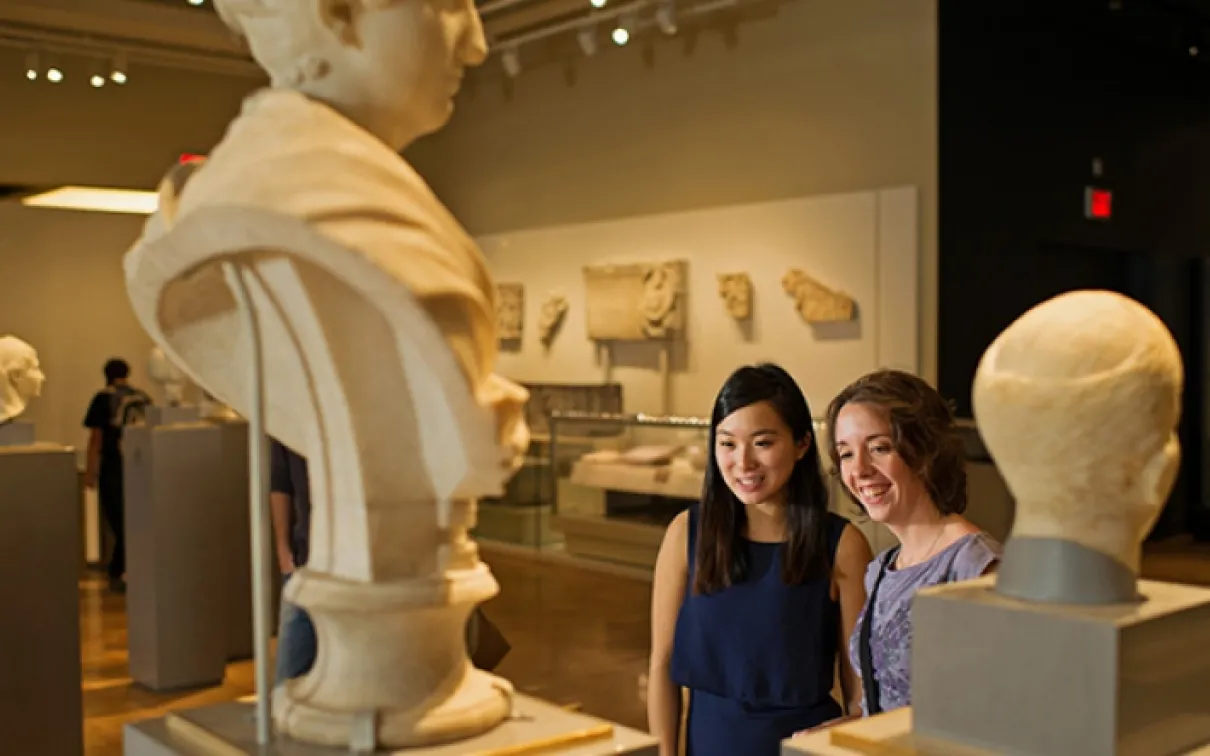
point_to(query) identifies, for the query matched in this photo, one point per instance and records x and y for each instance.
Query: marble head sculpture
(171, 378)
(21, 377)
(375, 313)
(1078, 402)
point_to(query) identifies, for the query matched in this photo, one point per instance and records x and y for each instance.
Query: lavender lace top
(891, 634)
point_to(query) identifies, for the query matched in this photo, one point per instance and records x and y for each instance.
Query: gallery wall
(809, 98)
(61, 273)
(806, 99)
(861, 244)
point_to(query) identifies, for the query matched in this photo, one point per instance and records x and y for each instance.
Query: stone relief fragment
(816, 302)
(510, 311)
(736, 291)
(636, 301)
(550, 318)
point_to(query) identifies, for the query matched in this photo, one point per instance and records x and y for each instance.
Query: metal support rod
(258, 503)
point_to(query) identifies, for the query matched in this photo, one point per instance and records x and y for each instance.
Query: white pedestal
(175, 602)
(230, 729)
(40, 703)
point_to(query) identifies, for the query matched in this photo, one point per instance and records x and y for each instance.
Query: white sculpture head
(1078, 402)
(170, 377)
(736, 291)
(21, 377)
(391, 66)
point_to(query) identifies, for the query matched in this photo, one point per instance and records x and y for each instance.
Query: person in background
(896, 446)
(757, 586)
(113, 407)
(290, 510)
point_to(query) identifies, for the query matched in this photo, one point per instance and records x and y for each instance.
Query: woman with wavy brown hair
(757, 587)
(896, 447)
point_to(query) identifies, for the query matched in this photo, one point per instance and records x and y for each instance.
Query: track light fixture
(511, 61)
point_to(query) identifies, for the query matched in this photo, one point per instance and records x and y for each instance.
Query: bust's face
(414, 54)
(28, 382)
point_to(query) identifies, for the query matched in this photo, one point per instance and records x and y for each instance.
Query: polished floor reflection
(579, 639)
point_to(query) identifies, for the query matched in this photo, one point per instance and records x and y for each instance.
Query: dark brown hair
(720, 560)
(922, 429)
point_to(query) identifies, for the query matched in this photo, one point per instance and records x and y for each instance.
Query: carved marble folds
(636, 301)
(815, 302)
(736, 291)
(510, 311)
(550, 319)
(21, 377)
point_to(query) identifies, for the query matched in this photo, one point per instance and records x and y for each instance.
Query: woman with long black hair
(756, 586)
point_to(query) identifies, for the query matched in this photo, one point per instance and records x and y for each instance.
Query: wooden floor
(579, 638)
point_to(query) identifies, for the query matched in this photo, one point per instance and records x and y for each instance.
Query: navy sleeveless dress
(759, 657)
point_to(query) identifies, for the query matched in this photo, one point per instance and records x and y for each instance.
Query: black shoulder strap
(873, 703)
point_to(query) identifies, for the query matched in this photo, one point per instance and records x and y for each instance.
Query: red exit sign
(1098, 203)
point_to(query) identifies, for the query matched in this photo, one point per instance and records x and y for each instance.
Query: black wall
(1030, 94)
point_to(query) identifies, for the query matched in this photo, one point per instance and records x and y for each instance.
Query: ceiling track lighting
(511, 60)
(627, 19)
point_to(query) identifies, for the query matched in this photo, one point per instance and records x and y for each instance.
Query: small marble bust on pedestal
(171, 379)
(1065, 651)
(1078, 404)
(21, 381)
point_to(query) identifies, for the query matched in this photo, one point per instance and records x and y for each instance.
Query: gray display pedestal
(230, 729)
(176, 605)
(994, 675)
(41, 709)
(183, 413)
(17, 433)
(232, 508)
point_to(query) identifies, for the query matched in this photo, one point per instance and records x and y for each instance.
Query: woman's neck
(767, 520)
(920, 534)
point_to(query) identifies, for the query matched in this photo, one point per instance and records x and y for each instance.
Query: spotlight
(598, 4)
(54, 75)
(620, 36)
(97, 80)
(665, 17)
(196, 2)
(31, 66)
(117, 72)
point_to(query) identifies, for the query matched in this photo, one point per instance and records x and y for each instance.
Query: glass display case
(616, 481)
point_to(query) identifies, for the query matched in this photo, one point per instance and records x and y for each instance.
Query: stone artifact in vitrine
(815, 302)
(736, 291)
(21, 377)
(636, 301)
(510, 311)
(374, 312)
(550, 319)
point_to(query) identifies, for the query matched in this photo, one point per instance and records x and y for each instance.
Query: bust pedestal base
(535, 727)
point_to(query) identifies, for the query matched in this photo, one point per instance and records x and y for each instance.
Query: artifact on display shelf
(305, 238)
(636, 301)
(550, 318)
(736, 291)
(171, 379)
(590, 398)
(1078, 402)
(21, 377)
(815, 302)
(510, 311)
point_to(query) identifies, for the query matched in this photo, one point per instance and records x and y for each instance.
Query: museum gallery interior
(408, 322)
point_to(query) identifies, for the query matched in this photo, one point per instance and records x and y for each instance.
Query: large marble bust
(1078, 402)
(21, 377)
(375, 314)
